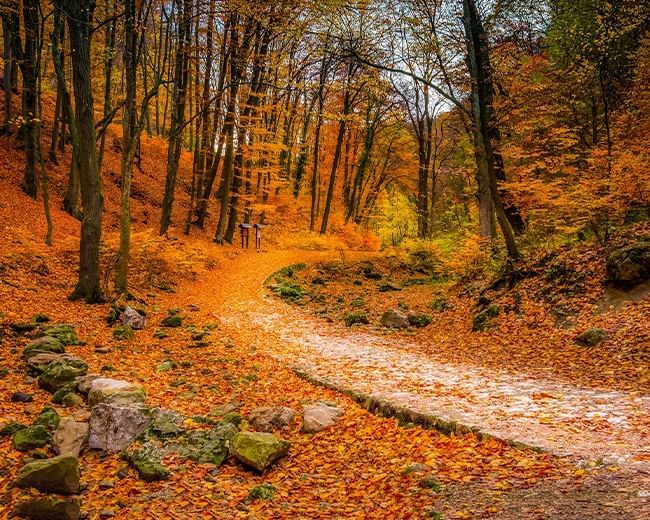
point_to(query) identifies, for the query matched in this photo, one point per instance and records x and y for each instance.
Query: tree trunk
(79, 17)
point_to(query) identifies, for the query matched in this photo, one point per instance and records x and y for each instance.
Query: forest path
(591, 425)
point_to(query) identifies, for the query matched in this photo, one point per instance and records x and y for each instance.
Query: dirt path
(590, 426)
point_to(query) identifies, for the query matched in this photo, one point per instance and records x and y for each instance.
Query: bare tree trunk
(109, 58)
(82, 125)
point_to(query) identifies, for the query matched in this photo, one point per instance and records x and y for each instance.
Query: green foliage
(397, 220)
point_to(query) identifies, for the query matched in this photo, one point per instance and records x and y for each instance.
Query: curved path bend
(585, 424)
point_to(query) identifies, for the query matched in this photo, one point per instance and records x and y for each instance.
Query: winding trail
(584, 424)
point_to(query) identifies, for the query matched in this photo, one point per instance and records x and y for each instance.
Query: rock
(389, 287)
(107, 484)
(483, 320)
(43, 344)
(64, 333)
(21, 397)
(630, 265)
(114, 427)
(22, 328)
(107, 513)
(103, 350)
(49, 418)
(318, 416)
(72, 400)
(11, 428)
(61, 372)
(417, 467)
(417, 319)
(147, 461)
(70, 437)
(166, 423)
(258, 450)
(50, 508)
(115, 391)
(61, 393)
(430, 482)
(33, 437)
(264, 491)
(210, 446)
(123, 332)
(395, 319)
(225, 408)
(270, 418)
(55, 475)
(37, 363)
(132, 318)
(82, 415)
(39, 317)
(29, 380)
(172, 321)
(591, 337)
(355, 318)
(83, 383)
(232, 418)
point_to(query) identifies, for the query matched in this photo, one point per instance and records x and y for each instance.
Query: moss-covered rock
(50, 508)
(210, 446)
(232, 418)
(356, 318)
(258, 450)
(591, 337)
(147, 461)
(64, 333)
(172, 321)
(264, 491)
(72, 400)
(55, 475)
(57, 397)
(11, 428)
(61, 372)
(22, 328)
(418, 319)
(43, 344)
(40, 318)
(48, 418)
(160, 334)
(165, 424)
(115, 391)
(630, 265)
(30, 438)
(483, 320)
(123, 332)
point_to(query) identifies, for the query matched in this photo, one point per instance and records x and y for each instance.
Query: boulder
(591, 337)
(630, 265)
(83, 383)
(147, 461)
(39, 361)
(10, 428)
(50, 508)
(270, 418)
(115, 391)
(57, 397)
(64, 333)
(132, 318)
(394, 319)
(210, 446)
(123, 332)
(258, 450)
(114, 427)
(61, 372)
(27, 439)
(70, 437)
(55, 475)
(319, 416)
(172, 321)
(356, 318)
(44, 344)
(72, 400)
(418, 319)
(166, 423)
(48, 418)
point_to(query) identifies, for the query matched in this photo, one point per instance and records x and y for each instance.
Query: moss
(22, 328)
(160, 334)
(48, 418)
(232, 418)
(430, 482)
(55, 475)
(355, 318)
(209, 446)
(172, 321)
(43, 344)
(27, 439)
(419, 319)
(263, 492)
(57, 397)
(123, 332)
(258, 450)
(11, 428)
(61, 372)
(147, 461)
(167, 365)
(591, 337)
(64, 333)
(288, 291)
(483, 320)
